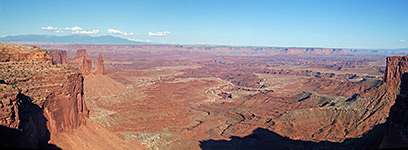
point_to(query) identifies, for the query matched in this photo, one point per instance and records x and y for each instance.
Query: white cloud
(403, 41)
(114, 31)
(139, 40)
(49, 28)
(76, 28)
(87, 32)
(52, 29)
(159, 33)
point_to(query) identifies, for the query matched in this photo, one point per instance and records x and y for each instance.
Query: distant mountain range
(69, 39)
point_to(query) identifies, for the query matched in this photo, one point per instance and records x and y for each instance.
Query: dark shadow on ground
(264, 139)
(32, 132)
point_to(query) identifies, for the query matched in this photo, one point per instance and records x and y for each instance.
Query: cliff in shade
(396, 127)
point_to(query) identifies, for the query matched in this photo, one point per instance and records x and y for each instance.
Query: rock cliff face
(66, 108)
(38, 99)
(396, 67)
(58, 57)
(396, 127)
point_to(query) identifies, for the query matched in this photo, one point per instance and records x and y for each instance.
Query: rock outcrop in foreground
(66, 108)
(42, 102)
(38, 99)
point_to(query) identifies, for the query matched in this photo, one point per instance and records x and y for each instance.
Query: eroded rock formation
(100, 69)
(85, 63)
(396, 67)
(66, 108)
(58, 57)
(80, 53)
(85, 66)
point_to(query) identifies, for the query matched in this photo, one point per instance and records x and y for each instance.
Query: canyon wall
(66, 108)
(58, 57)
(396, 127)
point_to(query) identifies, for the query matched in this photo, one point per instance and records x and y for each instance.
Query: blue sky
(301, 23)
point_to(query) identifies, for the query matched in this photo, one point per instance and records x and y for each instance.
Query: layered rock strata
(38, 99)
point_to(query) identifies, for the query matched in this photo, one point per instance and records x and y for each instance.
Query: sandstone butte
(43, 106)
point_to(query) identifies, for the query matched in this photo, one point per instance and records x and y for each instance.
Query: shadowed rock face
(396, 129)
(22, 123)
